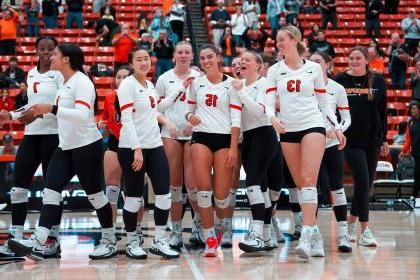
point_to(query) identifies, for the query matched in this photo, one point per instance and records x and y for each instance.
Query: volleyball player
(37, 146)
(79, 153)
(366, 92)
(333, 161)
(215, 113)
(140, 150)
(301, 90)
(176, 136)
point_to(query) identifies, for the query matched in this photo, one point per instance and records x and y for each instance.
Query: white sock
(17, 232)
(218, 222)
(41, 234)
(108, 233)
(55, 231)
(315, 229)
(160, 232)
(177, 227)
(132, 236)
(228, 223)
(298, 219)
(307, 230)
(257, 227)
(267, 232)
(209, 232)
(342, 228)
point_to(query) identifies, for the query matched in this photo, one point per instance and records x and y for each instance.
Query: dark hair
(313, 27)
(324, 56)
(267, 58)
(322, 30)
(123, 67)
(39, 39)
(131, 56)
(13, 58)
(211, 47)
(369, 73)
(402, 127)
(116, 101)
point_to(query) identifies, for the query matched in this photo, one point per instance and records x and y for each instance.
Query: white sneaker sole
(365, 244)
(318, 254)
(159, 253)
(300, 252)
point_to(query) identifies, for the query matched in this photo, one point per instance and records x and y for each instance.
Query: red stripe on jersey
(191, 102)
(320, 90)
(343, 108)
(126, 106)
(270, 90)
(81, 102)
(160, 99)
(233, 106)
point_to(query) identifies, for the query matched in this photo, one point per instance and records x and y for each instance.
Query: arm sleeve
(192, 98)
(343, 108)
(235, 109)
(126, 99)
(271, 94)
(165, 101)
(257, 107)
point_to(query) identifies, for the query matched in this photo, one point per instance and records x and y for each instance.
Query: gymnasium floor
(398, 256)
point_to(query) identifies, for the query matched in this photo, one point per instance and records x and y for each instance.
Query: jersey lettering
(35, 87)
(211, 100)
(293, 85)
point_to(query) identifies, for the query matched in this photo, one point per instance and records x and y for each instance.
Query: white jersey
(173, 101)
(138, 104)
(337, 100)
(75, 114)
(253, 105)
(42, 89)
(217, 105)
(302, 96)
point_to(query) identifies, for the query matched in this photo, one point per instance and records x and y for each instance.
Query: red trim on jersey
(343, 108)
(320, 90)
(191, 102)
(160, 99)
(233, 106)
(126, 106)
(81, 102)
(270, 90)
(109, 115)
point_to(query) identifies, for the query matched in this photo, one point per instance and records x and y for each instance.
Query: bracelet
(188, 115)
(54, 109)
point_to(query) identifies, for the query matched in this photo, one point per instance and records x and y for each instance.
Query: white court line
(196, 272)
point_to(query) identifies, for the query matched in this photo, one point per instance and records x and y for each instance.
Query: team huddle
(279, 121)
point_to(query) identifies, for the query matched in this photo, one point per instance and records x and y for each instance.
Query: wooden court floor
(397, 257)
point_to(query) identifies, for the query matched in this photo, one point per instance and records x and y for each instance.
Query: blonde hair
(294, 33)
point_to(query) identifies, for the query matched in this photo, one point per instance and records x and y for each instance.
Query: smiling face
(183, 55)
(236, 68)
(357, 61)
(58, 61)
(140, 62)
(285, 44)
(249, 65)
(209, 60)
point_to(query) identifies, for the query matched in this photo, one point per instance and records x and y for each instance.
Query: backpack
(406, 168)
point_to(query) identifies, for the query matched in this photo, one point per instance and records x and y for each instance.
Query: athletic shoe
(5, 251)
(161, 248)
(279, 235)
(344, 245)
(274, 241)
(141, 238)
(303, 249)
(134, 251)
(2, 206)
(367, 239)
(211, 247)
(176, 241)
(219, 234)
(317, 245)
(268, 245)
(252, 243)
(227, 238)
(352, 232)
(52, 248)
(105, 250)
(30, 248)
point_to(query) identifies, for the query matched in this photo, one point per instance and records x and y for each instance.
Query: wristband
(54, 109)
(188, 115)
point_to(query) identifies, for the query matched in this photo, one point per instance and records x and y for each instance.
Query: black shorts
(112, 143)
(297, 136)
(214, 141)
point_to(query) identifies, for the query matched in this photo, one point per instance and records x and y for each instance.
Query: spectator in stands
(159, 22)
(293, 9)
(74, 13)
(399, 138)
(124, 42)
(22, 98)
(282, 22)
(108, 15)
(328, 13)
(398, 61)
(274, 9)
(239, 23)
(97, 5)
(219, 19)
(417, 55)
(50, 13)
(105, 30)
(142, 26)
(255, 39)
(164, 51)
(14, 4)
(310, 7)
(372, 22)
(6, 102)
(252, 10)
(108, 11)
(411, 28)
(376, 63)
(14, 73)
(8, 31)
(314, 33)
(295, 22)
(322, 45)
(146, 42)
(176, 20)
(415, 82)
(228, 47)
(32, 21)
(391, 6)
(374, 43)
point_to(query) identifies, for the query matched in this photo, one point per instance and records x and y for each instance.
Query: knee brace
(274, 195)
(232, 198)
(163, 201)
(222, 203)
(18, 195)
(339, 197)
(267, 201)
(51, 197)
(255, 195)
(112, 193)
(204, 199)
(133, 204)
(293, 196)
(184, 198)
(176, 194)
(192, 195)
(308, 195)
(98, 200)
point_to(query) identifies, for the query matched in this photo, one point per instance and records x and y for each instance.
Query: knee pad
(112, 193)
(51, 197)
(204, 199)
(293, 195)
(192, 195)
(222, 203)
(274, 195)
(184, 198)
(339, 197)
(98, 200)
(133, 204)
(176, 194)
(308, 195)
(232, 198)
(267, 201)
(163, 201)
(18, 195)
(255, 195)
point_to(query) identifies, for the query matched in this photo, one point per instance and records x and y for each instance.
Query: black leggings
(177, 27)
(362, 162)
(416, 176)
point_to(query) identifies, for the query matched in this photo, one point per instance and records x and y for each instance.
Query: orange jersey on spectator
(123, 47)
(7, 104)
(109, 115)
(8, 28)
(377, 65)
